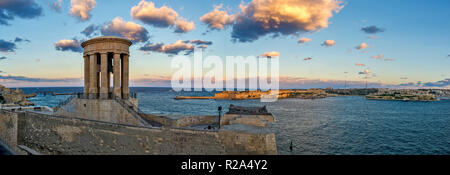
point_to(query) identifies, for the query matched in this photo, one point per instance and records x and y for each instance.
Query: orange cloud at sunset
(217, 19)
(271, 54)
(329, 43)
(81, 8)
(129, 30)
(160, 17)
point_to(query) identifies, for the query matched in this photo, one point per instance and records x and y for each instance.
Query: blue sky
(414, 35)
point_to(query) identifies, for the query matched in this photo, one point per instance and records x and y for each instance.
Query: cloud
(2, 58)
(329, 43)
(173, 49)
(441, 83)
(6, 46)
(307, 59)
(372, 37)
(372, 29)
(199, 42)
(365, 72)
(359, 64)
(56, 6)
(388, 59)
(162, 17)
(304, 83)
(81, 9)
(404, 78)
(304, 40)
(282, 17)
(30, 79)
(378, 57)
(91, 30)
(362, 46)
(203, 46)
(119, 27)
(217, 19)
(69, 45)
(18, 40)
(271, 54)
(183, 26)
(25, 9)
(153, 81)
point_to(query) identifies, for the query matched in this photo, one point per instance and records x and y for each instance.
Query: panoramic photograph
(224, 77)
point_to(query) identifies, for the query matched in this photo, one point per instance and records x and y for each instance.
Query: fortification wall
(101, 110)
(8, 128)
(182, 121)
(61, 135)
(251, 120)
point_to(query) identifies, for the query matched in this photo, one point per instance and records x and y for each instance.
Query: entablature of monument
(106, 51)
(106, 40)
(106, 44)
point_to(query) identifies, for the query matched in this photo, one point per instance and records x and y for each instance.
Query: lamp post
(220, 112)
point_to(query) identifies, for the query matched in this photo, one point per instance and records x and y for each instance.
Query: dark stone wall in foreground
(60, 135)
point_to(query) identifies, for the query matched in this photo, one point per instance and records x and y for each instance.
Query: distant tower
(104, 56)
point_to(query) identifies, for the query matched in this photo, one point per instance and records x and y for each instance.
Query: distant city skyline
(319, 43)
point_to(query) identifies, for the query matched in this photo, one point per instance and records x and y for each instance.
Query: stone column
(104, 76)
(93, 82)
(109, 83)
(125, 77)
(117, 90)
(86, 76)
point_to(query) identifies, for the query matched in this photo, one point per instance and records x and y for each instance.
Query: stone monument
(104, 56)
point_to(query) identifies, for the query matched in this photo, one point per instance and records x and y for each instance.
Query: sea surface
(335, 125)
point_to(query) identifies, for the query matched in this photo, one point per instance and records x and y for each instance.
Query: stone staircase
(136, 112)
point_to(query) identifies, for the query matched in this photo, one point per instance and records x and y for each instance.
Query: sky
(319, 43)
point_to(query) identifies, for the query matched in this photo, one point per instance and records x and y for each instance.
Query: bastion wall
(8, 128)
(61, 135)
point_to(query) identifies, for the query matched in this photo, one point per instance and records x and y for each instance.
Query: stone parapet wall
(251, 120)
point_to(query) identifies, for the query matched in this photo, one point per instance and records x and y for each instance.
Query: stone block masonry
(8, 128)
(61, 135)
(107, 110)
